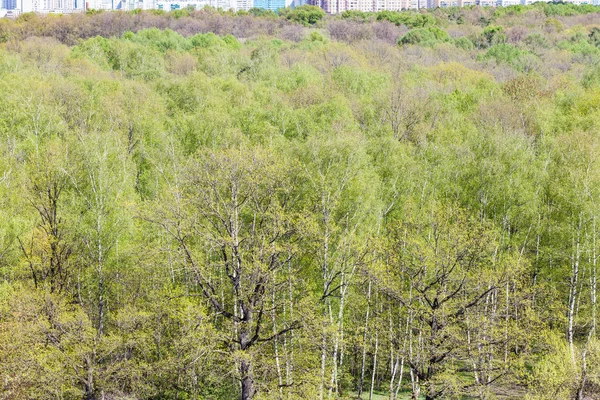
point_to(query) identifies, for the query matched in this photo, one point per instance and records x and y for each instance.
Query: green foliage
(161, 40)
(261, 12)
(493, 35)
(317, 37)
(509, 54)
(591, 78)
(427, 37)
(410, 19)
(95, 49)
(356, 15)
(510, 10)
(579, 45)
(594, 36)
(359, 82)
(464, 43)
(206, 40)
(127, 57)
(555, 373)
(565, 9)
(181, 13)
(306, 14)
(537, 41)
(266, 206)
(232, 42)
(553, 24)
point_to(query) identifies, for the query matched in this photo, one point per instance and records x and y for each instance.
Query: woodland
(213, 205)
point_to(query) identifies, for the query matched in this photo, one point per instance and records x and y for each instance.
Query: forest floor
(506, 393)
(383, 396)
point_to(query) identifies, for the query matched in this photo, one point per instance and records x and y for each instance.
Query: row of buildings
(339, 6)
(12, 8)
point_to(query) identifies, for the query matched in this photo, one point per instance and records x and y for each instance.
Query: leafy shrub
(410, 19)
(594, 36)
(306, 15)
(581, 46)
(206, 40)
(552, 24)
(317, 37)
(425, 36)
(95, 49)
(464, 43)
(161, 40)
(494, 35)
(591, 78)
(358, 81)
(537, 41)
(523, 87)
(261, 12)
(356, 15)
(504, 53)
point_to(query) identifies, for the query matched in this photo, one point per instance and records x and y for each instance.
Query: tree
(306, 14)
(448, 261)
(341, 190)
(234, 226)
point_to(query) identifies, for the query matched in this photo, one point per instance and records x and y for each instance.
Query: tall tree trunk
(364, 350)
(100, 273)
(593, 279)
(583, 379)
(276, 346)
(88, 384)
(394, 392)
(404, 343)
(325, 269)
(323, 361)
(573, 289)
(247, 384)
(288, 343)
(374, 360)
(506, 317)
(394, 358)
(245, 373)
(336, 342)
(592, 333)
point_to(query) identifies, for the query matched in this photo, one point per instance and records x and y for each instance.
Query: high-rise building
(243, 4)
(129, 5)
(506, 3)
(170, 5)
(360, 5)
(179, 5)
(49, 6)
(9, 4)
(272, 5)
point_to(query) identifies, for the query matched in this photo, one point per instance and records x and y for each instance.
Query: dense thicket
(207, 205)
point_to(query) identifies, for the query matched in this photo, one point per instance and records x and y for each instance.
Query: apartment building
(272, 5)
(170, 5)
(128, 5)
(9, 4)
(50, 6)
(339, 6)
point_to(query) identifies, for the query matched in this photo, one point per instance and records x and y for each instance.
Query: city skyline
(16, 7)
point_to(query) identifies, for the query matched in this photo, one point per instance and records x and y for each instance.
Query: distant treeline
(286, 23)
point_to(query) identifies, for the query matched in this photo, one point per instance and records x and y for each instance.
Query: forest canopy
(214, 205)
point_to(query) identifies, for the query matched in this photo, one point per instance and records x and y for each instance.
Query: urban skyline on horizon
(13, 8)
